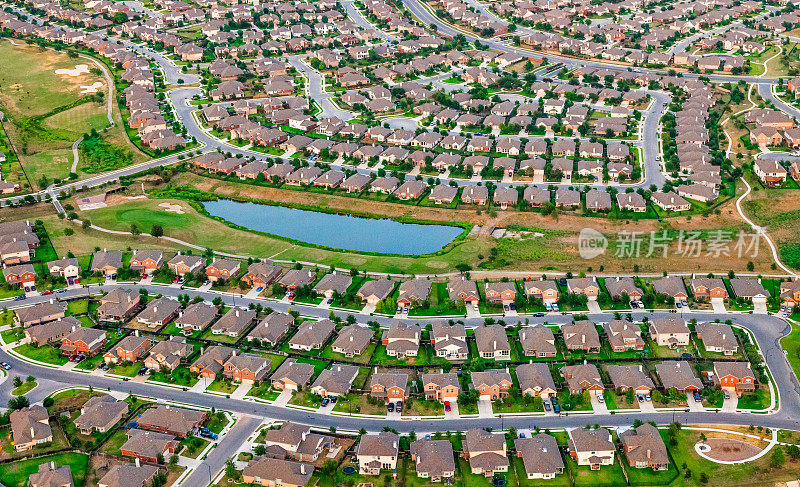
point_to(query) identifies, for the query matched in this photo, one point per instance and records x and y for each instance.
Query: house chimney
(73, 327)
(648, 453)
(351, 338)
(394, 445)
(33, 432)
(138, 463)
(136, 333)
(494, 344)
(303, 436)
(303, 468)
(523, 335)
(52, 465)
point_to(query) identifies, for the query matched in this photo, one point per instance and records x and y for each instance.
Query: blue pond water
(337, 231)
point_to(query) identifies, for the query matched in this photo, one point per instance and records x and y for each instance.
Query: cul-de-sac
(399, 243)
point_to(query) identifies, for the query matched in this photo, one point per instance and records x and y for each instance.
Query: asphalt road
(767, 331)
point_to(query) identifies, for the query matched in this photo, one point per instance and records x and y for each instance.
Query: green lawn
(217, 422)
(193, 446)
(180, 376)
(263, 391)
(12, 335)
(759, 399)
(126, 369)
(791, 344)
(25, 388)
(78, 307)
(16, 474)
(225, 386)
(364, 358)
(607, 476)
(113, 444)
(46, 354)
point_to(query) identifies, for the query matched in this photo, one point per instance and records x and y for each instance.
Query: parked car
(19, 298)
(5, 365)
(390, 407)
(547, 406)
(639, 397)
(600, 398)
(399, 406)
(325, 402)
(447, 406)
(46, 293)
(538, 315)
(647, 397)
(726, 394)
(697, 397)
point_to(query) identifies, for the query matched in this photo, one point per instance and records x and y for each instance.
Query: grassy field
(791, 344)
(16, 474)
(47, 111)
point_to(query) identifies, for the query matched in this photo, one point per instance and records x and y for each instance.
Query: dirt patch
(730, 450)
(172, 208)
(76, 71)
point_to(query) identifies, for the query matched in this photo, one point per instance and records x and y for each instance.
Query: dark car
(686, 355)
(390, 407)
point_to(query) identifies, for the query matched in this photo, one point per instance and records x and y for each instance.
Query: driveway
(760, 308)
(730, 404)
(472, 312)
(253, 293)
(694, 406)
(453, 413)
(594, 306)
(646, 406)
(283, 398)
(718, 306)
(597, 406)
(241, 390)
(485, 408)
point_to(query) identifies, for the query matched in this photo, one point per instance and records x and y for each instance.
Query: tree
(778, 458)
(17, 381)
(157, 231)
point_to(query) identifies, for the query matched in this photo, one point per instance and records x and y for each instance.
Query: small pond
(337, 231)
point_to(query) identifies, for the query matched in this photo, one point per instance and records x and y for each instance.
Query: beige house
(377, 452)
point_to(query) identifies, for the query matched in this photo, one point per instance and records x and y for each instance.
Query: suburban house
(184, 264)
(48, 474)
(129, 349)
(376, 452)
(118, 305)
(709, 289)
(461, 289)
(333, 283)
(592, 447)
(171, 420)
(246, 368)
(272, 328)
(373, 292)
(41, 313)
(717, 337)
(30, 426)
(500, 292)
(83, 340)
(678, 374)
(159, 312)
(547, 291)
(736, 377)
(630, 378)
(644, 447)
(168, 354)
(492, 383)
(669, 332)
(269, 472)
(389, 386)
(671, 286)
(540, 455)
(434, 459)
(581, 335)
(147, 261)
(312, 335)
(196, 317)
(352, 340)
(149, 445)
(100, 413)
(107, 263)
(581, 378)
(584, 285)
(211, 361)
(413, 291)
(619, 287)
(449, 341)
(492, 342)
(234, 323)
(222, 269)
(298, 442)
(486, 452)
(441, 386)
(292, 375)
(261, 274)
(535, 380)
(538, 341)
(623, 335)
(402, 339)
(750, 290)
(335, 381)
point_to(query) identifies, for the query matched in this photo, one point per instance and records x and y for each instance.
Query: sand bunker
(93, 88)
(77, 71)
(169, 207)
